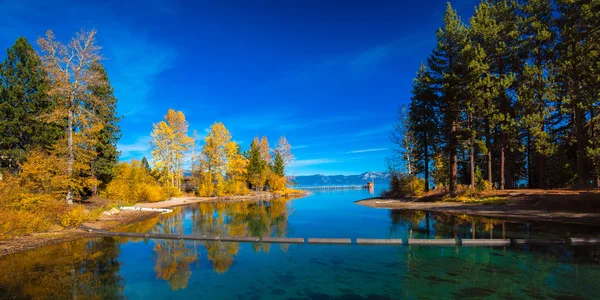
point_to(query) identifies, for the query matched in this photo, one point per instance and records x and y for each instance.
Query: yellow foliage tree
(69, 67)
(223, 166)
(169, 144)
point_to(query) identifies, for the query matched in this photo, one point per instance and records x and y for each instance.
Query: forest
(59, 135)
(509, 100)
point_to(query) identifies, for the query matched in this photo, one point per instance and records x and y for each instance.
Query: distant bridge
(369, 185)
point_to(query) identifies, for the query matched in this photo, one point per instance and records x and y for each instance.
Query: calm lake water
(160, 269)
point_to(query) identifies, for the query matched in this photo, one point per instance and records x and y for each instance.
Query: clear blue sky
(329, 75)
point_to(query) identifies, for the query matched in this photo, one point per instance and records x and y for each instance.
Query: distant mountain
(377, 177)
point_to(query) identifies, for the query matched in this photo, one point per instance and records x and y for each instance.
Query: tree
(278, 165)
(265, 150)
(107, 155)
(146, 165)
(24, 85)
(403, 139)
(70, 71)
(536, 93)
(222, 160)
(169, 144)
(578, 74)
(285, 151)
(447, 71)
(422, 121)
(256, 166)
(495, 27)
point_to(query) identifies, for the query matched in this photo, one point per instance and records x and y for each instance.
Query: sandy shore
(179, 201)
(577, 207)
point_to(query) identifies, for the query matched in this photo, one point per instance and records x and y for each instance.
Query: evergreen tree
(256, 166)
(447, 71)
(423, 121)
(146, 165)
(23, 100)
(278, 165)
(106, 147)
(578, 75)
(495, 27)
(536, 93)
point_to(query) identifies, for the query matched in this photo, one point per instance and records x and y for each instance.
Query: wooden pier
(369, 185)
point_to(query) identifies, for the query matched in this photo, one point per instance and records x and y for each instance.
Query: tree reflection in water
(257, 219)
(253, 218)
(83, 269)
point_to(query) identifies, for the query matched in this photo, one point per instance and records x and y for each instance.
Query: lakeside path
(565, 206)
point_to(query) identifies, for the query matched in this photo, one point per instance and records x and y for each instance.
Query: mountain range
(318, 179)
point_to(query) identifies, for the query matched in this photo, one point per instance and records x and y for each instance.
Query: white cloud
(136, 150)
(312, 162)
(367, 150)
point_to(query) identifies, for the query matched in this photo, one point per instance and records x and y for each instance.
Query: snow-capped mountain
(377, 177)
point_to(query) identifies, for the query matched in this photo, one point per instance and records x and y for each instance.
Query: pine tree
(278, 165)
(536, 93)
(107, 155)
(146, 165)
(447, 72)
(423, 121)
(256, 166)
(495, 27)
(578, 74)
(23, 100)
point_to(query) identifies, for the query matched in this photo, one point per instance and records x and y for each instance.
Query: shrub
(404, 185)
(481, 184)
(16, 223)
(77, 214)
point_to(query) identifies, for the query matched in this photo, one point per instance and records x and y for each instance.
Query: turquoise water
(160, 269)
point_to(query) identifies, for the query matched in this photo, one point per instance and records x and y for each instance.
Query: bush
(16, 223)
(77, 214)
(481, 184)
(404, 185)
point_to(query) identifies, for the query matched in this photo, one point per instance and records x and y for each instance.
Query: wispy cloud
(135, 63)
(312, 162)
(367, 150)
(136, 150)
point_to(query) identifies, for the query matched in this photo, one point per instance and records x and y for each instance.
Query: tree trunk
(453, 159)
(529, 162)
(472, 165)
(581, 143)
(426, 157)
(488, 144)
(71, 157)
(541, 171)
(502, 163)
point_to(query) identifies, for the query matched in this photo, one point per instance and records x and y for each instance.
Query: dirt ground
(567, 206)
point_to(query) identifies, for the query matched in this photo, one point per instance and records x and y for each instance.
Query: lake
(111, 268)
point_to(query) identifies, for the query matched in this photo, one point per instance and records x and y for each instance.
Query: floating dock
(358, 241)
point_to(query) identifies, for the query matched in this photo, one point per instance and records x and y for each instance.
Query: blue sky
(329, 75)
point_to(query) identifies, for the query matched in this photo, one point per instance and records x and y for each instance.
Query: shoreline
(562, 206)
(123, 218)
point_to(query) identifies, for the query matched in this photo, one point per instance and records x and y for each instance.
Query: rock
(112, 211)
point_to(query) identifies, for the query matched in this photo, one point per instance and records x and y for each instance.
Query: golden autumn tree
(69, 67)
(223, 166)
(169, 143)
(265, 151)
